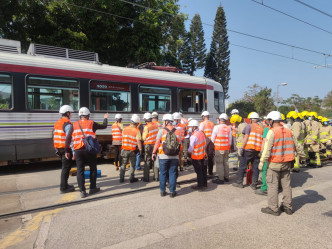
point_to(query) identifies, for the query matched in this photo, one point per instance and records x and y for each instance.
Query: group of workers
(273, 146)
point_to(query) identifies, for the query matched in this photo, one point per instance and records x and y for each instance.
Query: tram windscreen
(5, 92)
(191, 100)
(219, 102)
(154, 99)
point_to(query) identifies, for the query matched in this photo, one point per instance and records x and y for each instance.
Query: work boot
(296, 170)
(235, 169)
(121, 180)
(198, 188)
(268, 210)
(133, 180)
(226, 179)
(238, 185)
(145, 180)
(94, 190)
(83, 194)
(172, 195)
(286, 209)
(253, 186)
(260, 192)
(218, 181)
(162, 194)
(69, 189)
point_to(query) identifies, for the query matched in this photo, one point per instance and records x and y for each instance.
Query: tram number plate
(109, 86)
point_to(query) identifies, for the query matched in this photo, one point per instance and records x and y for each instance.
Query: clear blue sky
(249, 67)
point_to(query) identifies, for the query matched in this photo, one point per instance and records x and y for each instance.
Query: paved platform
(219, 217)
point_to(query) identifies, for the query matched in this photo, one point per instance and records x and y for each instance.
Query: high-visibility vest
(208, 128)
(283, 149)
(234, 130)
(324, 135)
(129, 140)
(184, 121)
(163, 138)
(87, 127)
(116, 132)
(59, 137)
(239, 135)
(255, 139)
(181, 128)
(152, 134)
(199, 149)
(221, 141)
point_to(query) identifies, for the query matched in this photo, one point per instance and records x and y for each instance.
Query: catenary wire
(312, 7)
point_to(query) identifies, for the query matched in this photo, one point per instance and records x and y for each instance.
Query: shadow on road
(298, 179)
(310, 196)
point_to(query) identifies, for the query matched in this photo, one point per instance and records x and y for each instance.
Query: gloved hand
(240, 152)
(260, 166)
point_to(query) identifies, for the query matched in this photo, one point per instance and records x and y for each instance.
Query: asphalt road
(219, 217)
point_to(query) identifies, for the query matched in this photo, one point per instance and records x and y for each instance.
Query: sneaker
(253, 186)
(94, 190)
(286, 209)
(260, 192)
(218, 181)
(133, 180)
(83, 194)
(172, 195)
(238, 185)
(162, 194)
(197, 188)
(268, 210)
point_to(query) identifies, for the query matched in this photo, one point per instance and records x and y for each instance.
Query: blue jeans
(170, 166)
(138, 161)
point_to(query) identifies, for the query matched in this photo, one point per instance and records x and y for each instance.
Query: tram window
(51, 93)
(5, 92)
(219, 101)
(154, 99)
(109, 96)
(191, 100)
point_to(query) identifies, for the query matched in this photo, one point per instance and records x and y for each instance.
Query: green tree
(186, 54)
(327, 101)
(217, 66)
(252, 91)
(304, 104)
(263, 101)
(244, 107)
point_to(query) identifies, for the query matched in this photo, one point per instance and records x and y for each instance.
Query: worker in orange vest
(279, 151)
(117, 129)
(207, 127)
(131, 140)
(249, 153)
(82, 156)
(197, 149)
(61, 131)
(182, 129)
(222, 139)
(155, 120)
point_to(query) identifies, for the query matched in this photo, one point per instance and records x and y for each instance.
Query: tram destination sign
(100, 85)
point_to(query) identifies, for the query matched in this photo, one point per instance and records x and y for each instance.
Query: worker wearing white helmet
(168, 147)
(149, 137)
(235, 111)
(222, 139)
(249, 153)
(117, 128)
(82, 156)
(155, 119)
(131, 140)
(182, 128)
(61, 131)
(207, 127)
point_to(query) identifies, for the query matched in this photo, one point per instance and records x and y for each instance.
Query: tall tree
(186, 56)
(217, 66)
(263, 101)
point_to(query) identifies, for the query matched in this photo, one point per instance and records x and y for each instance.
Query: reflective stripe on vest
(129, 140)
(208, 128)
(87, 127)
(152, 134)
(255, 139)
(199, 149)
(181, 128)
(59, 137)
(116, 132)
(283, 149)
(234, 129)
(163, 138)
(221, 141)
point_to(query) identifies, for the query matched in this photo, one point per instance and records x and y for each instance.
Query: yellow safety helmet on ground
(234, 118)
(282, 116)
(313, 114)
(305, 114)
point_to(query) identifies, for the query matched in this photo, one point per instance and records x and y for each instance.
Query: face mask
(325, 123)
(190, 130)
(309, 118)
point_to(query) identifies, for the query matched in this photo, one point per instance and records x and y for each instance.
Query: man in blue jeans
(167, 163)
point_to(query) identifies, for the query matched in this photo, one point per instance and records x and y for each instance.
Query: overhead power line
(293, 17)
(311, 7)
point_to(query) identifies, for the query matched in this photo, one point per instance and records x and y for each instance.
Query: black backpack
(171, 146)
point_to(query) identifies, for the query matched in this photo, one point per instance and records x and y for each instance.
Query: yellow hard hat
(282, 116)
(249, 114)
(239, 120)
(320, 118)
(290, 114)
(300, 115)
(325, 120)
(234, 118)
(305, 114)
(295, 115)
(313, 114)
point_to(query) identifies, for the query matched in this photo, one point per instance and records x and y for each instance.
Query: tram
(34, 85)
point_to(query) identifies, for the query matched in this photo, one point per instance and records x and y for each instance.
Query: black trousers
(249, 156)
(66, 167)
(117, 159)
(200, 169)
(210, 162)
(85, 158)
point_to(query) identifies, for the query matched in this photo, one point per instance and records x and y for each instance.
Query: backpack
(171, 146)
(91, 144)
(210, 150)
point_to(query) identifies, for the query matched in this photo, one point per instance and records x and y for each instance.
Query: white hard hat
(189, 119)
(193, 123)
(147, 115)
(65, 108)
(118, 116)
(223, 116)
(168, 117)
(135, 119)
(254, 115)
(176, 115)
(181, 114)
(155, 114)
(235, 111)
(205, 113)
(274, 115)
(83, 112)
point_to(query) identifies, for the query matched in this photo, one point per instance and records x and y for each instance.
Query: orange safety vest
(199, 149)
(152, 134)
(116, 132)
(234, 130)
(221, 141)
(59, 137)
(163, 138)
(283, 149)
(255, 139)
(87, 127)
(208, 128)
(129, 140)
(181, 128)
